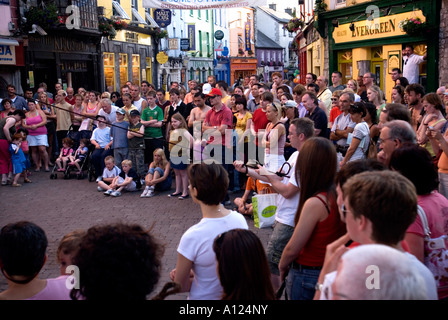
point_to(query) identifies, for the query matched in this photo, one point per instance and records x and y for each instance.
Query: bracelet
(318, 287)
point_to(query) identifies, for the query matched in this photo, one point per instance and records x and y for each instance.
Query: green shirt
(154, 114)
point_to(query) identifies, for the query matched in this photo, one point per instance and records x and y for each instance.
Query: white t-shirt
(342, 122)
(110, 117)
(138, 104)
(111, 173)
(411, 67)
(196, 245)
(287, 208)
(362, 133)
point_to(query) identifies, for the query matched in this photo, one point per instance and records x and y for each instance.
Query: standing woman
(360, 137)
(353, 84)
(372, 121)
(45, 105)
(77, 112)
(397, 95)
(275, 138)
(317, 219)
(90, 112)
(7, 106)
(37, 138)
(242, 127)
(376, 96)
(196, 270)
(7, 130)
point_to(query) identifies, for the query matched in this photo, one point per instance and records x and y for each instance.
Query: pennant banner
(201, 4)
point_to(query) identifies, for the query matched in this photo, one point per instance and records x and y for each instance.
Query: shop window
(118, 11)
(136, 69)
(345, 65)
(123, 63)
(148, 70)
(109, 69)
(340, 3)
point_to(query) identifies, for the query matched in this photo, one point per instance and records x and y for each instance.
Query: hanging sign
(202, 4)
(162, 17)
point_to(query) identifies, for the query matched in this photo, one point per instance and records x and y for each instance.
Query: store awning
(9, 42)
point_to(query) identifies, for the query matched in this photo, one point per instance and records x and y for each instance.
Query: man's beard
(414, 103)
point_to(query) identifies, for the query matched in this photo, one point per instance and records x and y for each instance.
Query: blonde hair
(126, 163)
(160, 153)
(281, 110)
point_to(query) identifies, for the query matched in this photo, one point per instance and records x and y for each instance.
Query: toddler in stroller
(78, 158)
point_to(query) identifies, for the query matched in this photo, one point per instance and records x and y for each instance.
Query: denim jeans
(300, 284)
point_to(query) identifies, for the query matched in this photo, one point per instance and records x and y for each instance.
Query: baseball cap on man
(290, 104)
(215, 92)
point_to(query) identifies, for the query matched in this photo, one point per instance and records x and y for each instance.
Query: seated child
(244, 207)
(68, 248)
(111, 171)
(158, 177)
(128, 180)
(17, 158)
(80, 154)
(66, 152)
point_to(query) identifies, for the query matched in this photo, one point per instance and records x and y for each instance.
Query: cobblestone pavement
(60, 206)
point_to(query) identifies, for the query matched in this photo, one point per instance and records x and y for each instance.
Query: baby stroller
(87, 168)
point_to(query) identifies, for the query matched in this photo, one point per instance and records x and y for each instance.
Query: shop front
(242, 67)
(199, 69)
(11, 63)
(376, 45)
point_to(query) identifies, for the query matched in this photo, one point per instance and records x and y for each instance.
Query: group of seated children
(114, 181)
(72, 158)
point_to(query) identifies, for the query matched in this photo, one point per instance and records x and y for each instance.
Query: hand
(333, 253)
(107, 147)
(381, 157)
(434, 134)
(239, 166)
(97, 146)
(173, 274)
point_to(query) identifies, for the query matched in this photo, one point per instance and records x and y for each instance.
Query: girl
(89, 112)
(180, 140)
(25, 148)
(376, 96)
(64, 155)
(80, 154)
(158, 174)
(17, 158)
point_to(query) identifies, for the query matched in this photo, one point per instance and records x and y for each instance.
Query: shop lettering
(383, 27)
(5, 50)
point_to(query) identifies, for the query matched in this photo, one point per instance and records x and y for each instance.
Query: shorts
(35, 141)
(130, 187)
(179, 163)
(277, 242)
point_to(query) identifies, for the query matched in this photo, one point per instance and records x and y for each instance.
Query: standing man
(254, 103)
(108, 111)
(368, 81)
(248, 92)
(316, 114)
(145, 87)
(199, 112)
(64, 116)
(277, 81)
(343, 125)
(212, 81)
(18, 103)
(411, 62)
(138, 101)
(324, 93)
(70, 98)
(415, 93)
(124, 89)
(336, 79)
(152, 119)
(310, 78)
(224, 87)
(396, 73)
(189, 97)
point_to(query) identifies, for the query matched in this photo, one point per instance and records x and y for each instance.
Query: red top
(218, 118)
(260, 121)
(334, 113)
(325, 232)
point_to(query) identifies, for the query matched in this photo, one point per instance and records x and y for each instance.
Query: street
(60, 206)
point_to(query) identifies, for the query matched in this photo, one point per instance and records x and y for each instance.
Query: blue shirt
(101, 136)
(119, 132)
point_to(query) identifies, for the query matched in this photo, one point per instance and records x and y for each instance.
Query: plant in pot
(106, 29)
(45, 17)
(119, 24)
(414, 26)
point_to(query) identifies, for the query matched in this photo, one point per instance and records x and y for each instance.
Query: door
(377, 66)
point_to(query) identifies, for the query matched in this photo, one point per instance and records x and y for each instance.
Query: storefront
(11, 63)
(242, 67)
(199, 69)
(359, 44)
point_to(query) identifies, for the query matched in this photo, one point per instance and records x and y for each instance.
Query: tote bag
(264, 208)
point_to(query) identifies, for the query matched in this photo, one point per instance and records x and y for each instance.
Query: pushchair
(86, 166)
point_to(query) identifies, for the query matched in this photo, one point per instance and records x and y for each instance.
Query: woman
(7, 130)
(232, 103)
(397, 95)
(242, 127)
(353, 84)
(77, 111)
(285, 97)
(335, 110)
(37, 138)
(415, 163)
(196, 270)
(7, 106)
(114, 97)
(371, 119)
(317, 219)
(238, 90)
(45, 105)
(433, 117)
(242, 266)
(376, 96)
(360, 138)
(275, 138)
(291, 113)
(89, 112)
(402, 81)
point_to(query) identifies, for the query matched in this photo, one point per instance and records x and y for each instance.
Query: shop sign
(162, 17)
(382, 27)
(162, 57)
(185, 44)
(7, 54)
(131, 37)
(202, 4)
(173, 44)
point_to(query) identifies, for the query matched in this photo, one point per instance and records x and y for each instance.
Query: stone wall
(443, 45)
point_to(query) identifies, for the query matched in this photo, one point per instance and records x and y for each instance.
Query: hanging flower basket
(46, 17)
(294, 25)
(106, 29)
(414, 27)
(119, 24)
(160, 34)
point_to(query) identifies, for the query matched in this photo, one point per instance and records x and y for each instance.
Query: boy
(136, 142)
(118, 132)
(127, 180)
(111, 171)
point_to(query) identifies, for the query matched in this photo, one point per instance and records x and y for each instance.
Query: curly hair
(117, 261)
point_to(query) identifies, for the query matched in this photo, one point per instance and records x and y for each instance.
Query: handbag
(264, 208)
(436, 253)
(372, 151)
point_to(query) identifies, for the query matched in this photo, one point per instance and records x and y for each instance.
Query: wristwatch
(318, 286)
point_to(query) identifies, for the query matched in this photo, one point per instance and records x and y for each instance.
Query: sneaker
(100, 178)
(100, 189)
(116, 194)
(144, 194)
(150, 194)
(108, 192)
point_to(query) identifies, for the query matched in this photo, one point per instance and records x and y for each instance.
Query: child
(181, 141)
(252, 185)
(64, 155)
(136, 142)
(118, 132)
(17, 158)
(80, 154)
(110, 172)
(127, 180)
(67, 249)
(25, 148)
(158, 175)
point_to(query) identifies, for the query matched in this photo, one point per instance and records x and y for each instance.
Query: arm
(182, 273)
(416, 245)
(351, 150)
(166, 173)
(9, 124)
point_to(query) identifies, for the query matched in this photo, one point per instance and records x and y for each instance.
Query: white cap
(206, 88)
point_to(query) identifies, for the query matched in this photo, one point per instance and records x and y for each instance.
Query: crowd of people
(361, 168)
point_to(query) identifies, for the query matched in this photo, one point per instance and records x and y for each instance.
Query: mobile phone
(431, 128)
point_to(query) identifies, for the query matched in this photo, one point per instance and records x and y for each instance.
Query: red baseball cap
(215, 92)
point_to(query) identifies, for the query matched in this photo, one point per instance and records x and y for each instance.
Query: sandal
(175, 194)
(4, 183)
(16, 185)
(26, 180)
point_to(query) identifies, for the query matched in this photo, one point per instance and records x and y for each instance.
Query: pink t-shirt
(56, 289)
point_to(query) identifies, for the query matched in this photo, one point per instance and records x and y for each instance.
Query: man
(145, 87)
(310, 78)
(259, 123)
(108, 111)
(191, 105)
(288, 196)
(18, 103)
(297, 94)
(152, 119)
(392, 136)
(138, 101)
(343, 124)
(316, 114)
(198, 113)
(314, 88)
(415, 93)
(254, 103)
(336, 79)
(411, 64)
(212, 81)
(394, 111)
(64, 116)
(161, 102)
(324, 94)
(277, 81)
(57, 87)
(189, 97)
(224, 88)
(81, 91)
(124, 89)
(43, 88)
(368, 81)
(441, 93)
(248, 92)
(70, 98)
(102, 141)
(396, 73)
